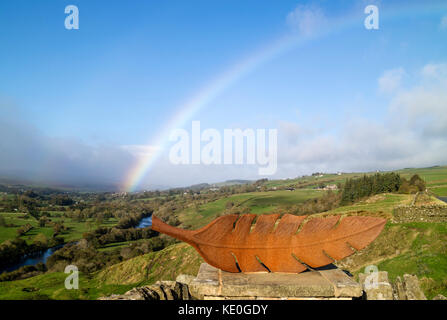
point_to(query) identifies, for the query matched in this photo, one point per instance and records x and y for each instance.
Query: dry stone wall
(430, 213)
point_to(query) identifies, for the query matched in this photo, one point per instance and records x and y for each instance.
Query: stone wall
(429, 213)
(405, 288)
(378, 287)
(161, 290)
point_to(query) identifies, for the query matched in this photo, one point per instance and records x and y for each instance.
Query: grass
(313, 181)
(166, 264)
(439, 191)
(432, 175)
(417, 248)
(17, 219)
(74, 232)
(52, 286)
(384, 203)
(426, 258)
(257, 202)
(119, 245)
(76, 229)
(435, 177)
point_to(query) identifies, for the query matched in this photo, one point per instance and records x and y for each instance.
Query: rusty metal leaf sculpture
(251, 243)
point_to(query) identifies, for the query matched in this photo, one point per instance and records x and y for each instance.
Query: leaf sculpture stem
(181, 234)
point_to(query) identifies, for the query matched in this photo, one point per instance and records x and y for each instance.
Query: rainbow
(209, 92)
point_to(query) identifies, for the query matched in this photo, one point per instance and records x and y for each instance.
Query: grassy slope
(414, 248)
(258, 202)
(383, 203)
(435, 177)
(426, 257)
(117, 279)
(51, 286)
(166, 264)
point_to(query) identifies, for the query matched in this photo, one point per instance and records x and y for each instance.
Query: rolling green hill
(256, 202)
(435, 177)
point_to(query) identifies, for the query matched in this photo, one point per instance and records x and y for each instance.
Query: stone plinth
(212, 283)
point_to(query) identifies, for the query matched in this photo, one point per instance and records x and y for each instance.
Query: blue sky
(71, 97)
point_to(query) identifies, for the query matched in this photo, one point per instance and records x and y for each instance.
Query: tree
(417, 182)
(99, 219)
(42, 221)
(61, 200)
(24, 229)
(365, 186)
(41, 240)
(58, 228)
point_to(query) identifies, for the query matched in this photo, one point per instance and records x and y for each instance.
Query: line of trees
(365, 186)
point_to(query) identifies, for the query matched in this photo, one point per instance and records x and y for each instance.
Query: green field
(257, 202)
(74, 232)
(313, 181)
(440, 191)
(435, 177)
(119, 245)
(380, 203)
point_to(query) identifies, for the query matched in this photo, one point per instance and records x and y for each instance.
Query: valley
(114, 255)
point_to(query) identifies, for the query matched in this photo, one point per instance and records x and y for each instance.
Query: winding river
(144, 223)
(32, 259)
(443, 199)
(42, 256)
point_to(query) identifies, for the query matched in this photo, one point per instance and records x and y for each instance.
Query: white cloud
(306, 20)
(413, 133)
(141, 151)
(423, 108)
(443, 23)
(391, 80)
(27, 153)
(435, 71)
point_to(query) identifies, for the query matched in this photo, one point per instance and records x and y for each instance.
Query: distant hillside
(14, 185)
(232, 183)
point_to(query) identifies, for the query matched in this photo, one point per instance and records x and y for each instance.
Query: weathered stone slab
(376, 286)
(344, 286)
(141, 293)
(412, 288)
(212, 283)
(399, 290)
(185, 278)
